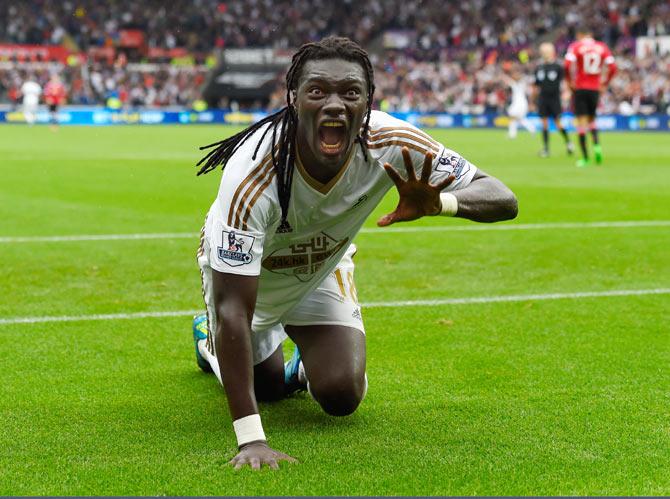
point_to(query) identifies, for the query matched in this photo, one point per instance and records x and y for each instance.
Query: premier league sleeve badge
(235, 249)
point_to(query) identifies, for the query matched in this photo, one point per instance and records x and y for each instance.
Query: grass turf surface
(533, 397)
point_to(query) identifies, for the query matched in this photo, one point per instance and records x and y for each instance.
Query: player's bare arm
(235, 298)
(486, 199)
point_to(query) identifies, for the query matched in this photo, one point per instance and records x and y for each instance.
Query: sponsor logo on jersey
(452, 164)
(303, 260)
(235, 249)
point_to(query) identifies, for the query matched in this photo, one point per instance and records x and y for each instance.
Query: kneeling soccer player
(276, 256)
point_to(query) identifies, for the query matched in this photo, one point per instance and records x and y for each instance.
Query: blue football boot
(200, 332)
(294, 379)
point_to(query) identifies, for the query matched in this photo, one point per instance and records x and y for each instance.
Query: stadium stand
(427, 57)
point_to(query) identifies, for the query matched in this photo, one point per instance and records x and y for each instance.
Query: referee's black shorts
(586, 102)
(549, 106)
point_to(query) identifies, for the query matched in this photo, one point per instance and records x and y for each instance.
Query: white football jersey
(31, 93)
(519, 93)
(241, 226)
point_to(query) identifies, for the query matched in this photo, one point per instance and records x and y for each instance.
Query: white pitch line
(514, 298)
(383, 304)
(537, 226)
(367, 230)
(97, 317)
(99, 237)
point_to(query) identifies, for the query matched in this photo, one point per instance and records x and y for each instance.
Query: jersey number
(592, 62)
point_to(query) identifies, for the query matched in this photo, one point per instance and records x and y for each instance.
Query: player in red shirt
(54, 96)
(584, 63)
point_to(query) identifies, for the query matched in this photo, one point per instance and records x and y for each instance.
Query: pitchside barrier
(71, 115)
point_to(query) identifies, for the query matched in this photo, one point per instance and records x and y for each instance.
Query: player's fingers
(273, 465)
(445, 183)
(409, 166)
(386, 220)
(390, 171)
(255, 463)
(427, 167)
(285, 457)
(240, 462)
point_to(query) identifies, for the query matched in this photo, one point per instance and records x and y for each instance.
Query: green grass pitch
(559, 396)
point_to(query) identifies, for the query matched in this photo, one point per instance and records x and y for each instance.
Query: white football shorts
(333, 302)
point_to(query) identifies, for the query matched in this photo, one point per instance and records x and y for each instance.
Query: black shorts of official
(586, 102)
(549, 107)
(53, 107)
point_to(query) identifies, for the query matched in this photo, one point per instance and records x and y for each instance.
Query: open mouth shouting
(332, 137)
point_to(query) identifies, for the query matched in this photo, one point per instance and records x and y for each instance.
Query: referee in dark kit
(548, 76)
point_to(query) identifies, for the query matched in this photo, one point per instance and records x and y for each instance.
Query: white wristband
(449, 204)
(248, 429)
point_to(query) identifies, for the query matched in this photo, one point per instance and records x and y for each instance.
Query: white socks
(528, 125)
(511, 130)
(514, 126)
(209, 357)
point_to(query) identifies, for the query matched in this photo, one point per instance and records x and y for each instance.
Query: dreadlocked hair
(284, 123)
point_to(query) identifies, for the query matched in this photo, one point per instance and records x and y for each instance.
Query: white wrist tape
(449, 204)
(248, 429)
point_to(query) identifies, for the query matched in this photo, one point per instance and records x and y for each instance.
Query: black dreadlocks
(286, 119)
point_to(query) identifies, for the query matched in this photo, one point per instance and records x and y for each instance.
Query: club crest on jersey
(235, 249)
(452, 164)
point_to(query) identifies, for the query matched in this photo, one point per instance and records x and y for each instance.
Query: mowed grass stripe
(458, 228)
(381, 304)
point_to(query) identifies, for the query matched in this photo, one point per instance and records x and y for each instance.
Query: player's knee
(339, 395)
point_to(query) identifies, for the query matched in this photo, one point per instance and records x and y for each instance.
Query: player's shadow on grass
(298, 412)
(301, 409)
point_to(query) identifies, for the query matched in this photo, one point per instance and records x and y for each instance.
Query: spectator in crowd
(453, 61)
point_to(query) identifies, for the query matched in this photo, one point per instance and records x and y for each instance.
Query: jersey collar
(314, 183)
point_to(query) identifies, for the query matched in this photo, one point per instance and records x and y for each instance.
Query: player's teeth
(332, 124)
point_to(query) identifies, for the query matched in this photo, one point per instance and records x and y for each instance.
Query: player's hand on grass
(418, 197)
(257, 454)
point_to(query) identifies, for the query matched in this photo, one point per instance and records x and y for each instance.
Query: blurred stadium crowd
(430, 55)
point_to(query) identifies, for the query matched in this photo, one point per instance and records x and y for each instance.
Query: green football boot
(294, 377)
(200, 332)
(598, 153)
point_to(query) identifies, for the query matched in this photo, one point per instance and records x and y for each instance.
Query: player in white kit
(30, 90)
(276, 253)
(518, 108)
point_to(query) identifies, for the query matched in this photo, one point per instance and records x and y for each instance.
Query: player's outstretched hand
(258, 454)
(418, 197)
